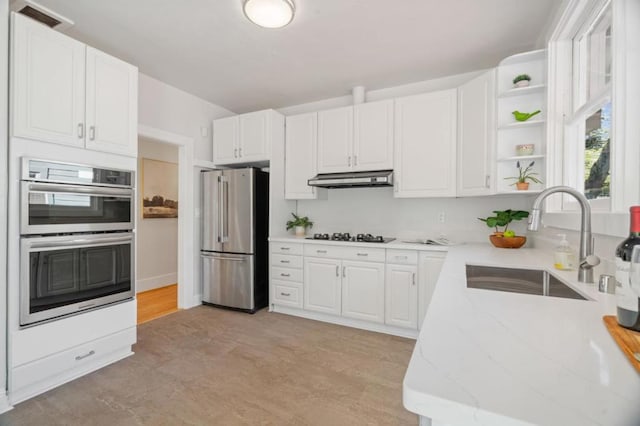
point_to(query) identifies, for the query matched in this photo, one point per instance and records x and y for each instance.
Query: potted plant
(524, 174)
(505, 238)
(300, 224)
(522, 80)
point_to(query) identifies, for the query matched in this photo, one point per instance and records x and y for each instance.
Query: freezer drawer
(228, 280)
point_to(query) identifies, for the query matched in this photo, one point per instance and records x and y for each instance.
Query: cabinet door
(430, 264)
(322, 285)
(476, 124)
(225, 140)
(425, 145)
(363, 290)
(300, 159)
(401, 296)
(335, 140)
(254, 142)
(112, 104)
(48, 84)
(373, 136)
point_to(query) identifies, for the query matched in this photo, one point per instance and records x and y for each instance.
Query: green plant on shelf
(525, 174)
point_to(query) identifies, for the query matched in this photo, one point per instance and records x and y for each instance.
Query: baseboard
(151, 283)
(4, 402)
(348, 322)
(195, 300)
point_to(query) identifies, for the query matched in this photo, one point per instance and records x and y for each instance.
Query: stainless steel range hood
(353, 179)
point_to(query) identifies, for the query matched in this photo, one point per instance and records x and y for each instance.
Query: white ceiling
(208, 47)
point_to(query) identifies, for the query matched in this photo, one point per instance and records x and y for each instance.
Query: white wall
(169, 109)
(157, 242)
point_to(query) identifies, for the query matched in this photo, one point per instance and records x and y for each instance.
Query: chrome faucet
(587, 259)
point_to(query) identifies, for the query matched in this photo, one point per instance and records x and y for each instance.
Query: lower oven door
(63, 275)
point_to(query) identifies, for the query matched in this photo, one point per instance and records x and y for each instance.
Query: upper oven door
(55, 208)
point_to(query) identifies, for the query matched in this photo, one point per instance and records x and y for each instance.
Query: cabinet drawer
(287, 294)
(364, 253)
(286, 274)
(80, 358)
(286, 248)
(286, 261)
(319, 250)
(402, 257)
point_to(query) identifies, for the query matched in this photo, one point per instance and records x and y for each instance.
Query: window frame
(625, 177)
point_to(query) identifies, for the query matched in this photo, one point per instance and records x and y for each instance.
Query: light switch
(204, 132)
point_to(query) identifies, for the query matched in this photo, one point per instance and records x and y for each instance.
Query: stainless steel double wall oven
(77, 245)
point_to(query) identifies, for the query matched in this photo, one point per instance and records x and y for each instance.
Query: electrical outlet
(441, 217)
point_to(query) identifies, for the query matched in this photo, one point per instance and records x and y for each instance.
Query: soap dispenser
(564, 256)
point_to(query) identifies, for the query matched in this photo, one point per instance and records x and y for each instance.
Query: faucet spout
(585, 270)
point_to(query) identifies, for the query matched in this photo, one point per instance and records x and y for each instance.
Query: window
(588, 123)
(592, 134)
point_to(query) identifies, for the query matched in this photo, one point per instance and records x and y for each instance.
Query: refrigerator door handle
(235, 259)
(222, 207)
(225, 214)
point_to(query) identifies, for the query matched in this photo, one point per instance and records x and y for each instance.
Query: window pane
(599, 56)
(596, 153)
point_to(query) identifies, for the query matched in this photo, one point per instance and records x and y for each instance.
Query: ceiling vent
(41, 14)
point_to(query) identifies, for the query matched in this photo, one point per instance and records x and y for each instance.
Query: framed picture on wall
(159, 189)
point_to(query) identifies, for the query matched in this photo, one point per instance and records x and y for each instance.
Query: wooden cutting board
(627, 340)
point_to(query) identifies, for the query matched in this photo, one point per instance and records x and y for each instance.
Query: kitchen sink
(517, 280)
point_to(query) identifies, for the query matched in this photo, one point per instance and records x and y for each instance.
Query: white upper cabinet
(476, 125)
(66, 92)
(254, 140)
(300, 158)
(356, 138)
(373, 136)
(335, 140)
(425, 145)
(246, 138)
(48, 82)
(112, 104)
(225, 140)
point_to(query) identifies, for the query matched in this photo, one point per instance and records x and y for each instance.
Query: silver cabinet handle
(337, 270)
(285, 248)
(344, 271)
(285, 294)
(349, 161)
(240, 152)
(355, 160)
(487, 181)
(80, 130)
(413, 279)
(88, 354)
(285, 275)
(402, 257)
(235, 153)
(284, 261)
(363, 254)
(321, 251)
(92, 132)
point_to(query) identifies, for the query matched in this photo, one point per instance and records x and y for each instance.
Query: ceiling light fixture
(269, 13)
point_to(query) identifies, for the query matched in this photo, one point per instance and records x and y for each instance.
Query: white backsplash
(374, 210)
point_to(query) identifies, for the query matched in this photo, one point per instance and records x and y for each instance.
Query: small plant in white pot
(300, 224)
(522, 80)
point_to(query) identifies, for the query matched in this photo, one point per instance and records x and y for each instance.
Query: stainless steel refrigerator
(234, 238)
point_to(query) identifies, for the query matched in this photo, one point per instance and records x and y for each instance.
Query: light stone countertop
(397, 244)
(486, 357)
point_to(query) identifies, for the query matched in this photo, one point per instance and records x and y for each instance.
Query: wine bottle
(627, 300)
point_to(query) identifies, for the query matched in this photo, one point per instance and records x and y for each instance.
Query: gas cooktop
(345, 236)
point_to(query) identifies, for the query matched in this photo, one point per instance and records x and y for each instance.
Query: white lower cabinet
(363, 290)
(322, 285)
(401, 296)
(287, 293)
(429, 266)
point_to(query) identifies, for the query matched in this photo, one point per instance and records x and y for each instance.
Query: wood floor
(207, 366)
(157, 303)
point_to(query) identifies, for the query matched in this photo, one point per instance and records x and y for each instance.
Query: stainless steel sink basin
(527, 281)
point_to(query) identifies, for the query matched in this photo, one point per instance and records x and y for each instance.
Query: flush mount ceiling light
(269, 13)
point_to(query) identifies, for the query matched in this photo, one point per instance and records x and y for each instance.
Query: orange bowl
(507, 242)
